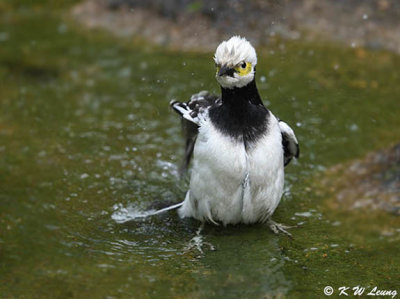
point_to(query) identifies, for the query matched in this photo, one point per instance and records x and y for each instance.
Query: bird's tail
(125, 215)
(175, 206)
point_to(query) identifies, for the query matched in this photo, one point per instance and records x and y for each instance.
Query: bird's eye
(243, 68)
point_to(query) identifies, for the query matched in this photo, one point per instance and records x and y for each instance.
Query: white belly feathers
(229, 184)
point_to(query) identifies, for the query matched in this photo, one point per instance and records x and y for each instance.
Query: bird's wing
(289, 142)
(192, 112)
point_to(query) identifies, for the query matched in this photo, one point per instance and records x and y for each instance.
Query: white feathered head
(235, 60)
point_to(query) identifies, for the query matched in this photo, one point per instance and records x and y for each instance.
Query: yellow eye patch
(243, 68)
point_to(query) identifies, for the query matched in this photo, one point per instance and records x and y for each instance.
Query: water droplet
(353, 127)
(143, 65)
(365, 17)
(42, 154)
(62, 28)
(3, 36)
(271, 73)
(89, 82)
(263, 79)
(125, 72)
(304, 214)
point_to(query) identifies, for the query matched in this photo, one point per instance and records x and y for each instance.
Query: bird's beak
(224, 70)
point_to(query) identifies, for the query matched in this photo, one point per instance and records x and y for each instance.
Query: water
(86, 132)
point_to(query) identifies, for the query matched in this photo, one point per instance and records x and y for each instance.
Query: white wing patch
(185, 112)
(196, 109)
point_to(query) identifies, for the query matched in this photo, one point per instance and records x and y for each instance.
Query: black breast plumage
(241, 114)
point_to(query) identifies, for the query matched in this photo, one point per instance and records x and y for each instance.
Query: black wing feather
(289, 143)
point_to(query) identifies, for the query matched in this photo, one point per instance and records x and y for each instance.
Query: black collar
(241, 115)
(246, 93)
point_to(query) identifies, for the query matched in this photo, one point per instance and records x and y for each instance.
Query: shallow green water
(86, 132)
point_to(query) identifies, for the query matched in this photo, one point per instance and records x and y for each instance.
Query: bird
(238, 149)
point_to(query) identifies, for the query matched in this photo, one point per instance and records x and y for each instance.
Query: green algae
(85, 130)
